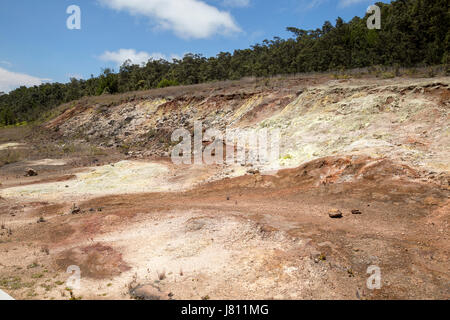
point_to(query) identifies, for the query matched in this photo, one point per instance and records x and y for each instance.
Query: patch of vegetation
(161, 275)
(31, 294)
(33, 265)
(388, 75)
(72, 295)
(9, 156)
(47, 287)
(342, 76)
(164, 83)
(14, 283)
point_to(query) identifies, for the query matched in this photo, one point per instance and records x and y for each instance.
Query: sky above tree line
(36, 46)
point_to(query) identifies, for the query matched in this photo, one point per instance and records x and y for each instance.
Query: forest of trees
(414, 32)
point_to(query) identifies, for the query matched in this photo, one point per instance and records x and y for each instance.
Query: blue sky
(37, 46)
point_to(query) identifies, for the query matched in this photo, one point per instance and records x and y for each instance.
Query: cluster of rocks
(337, 214)
(77, 210)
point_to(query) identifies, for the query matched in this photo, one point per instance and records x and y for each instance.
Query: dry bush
(161, 275)
(11, 156)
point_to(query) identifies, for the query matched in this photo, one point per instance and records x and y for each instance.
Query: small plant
(397, 70)
(133, 283)
(10, 156)
(167, 83)
(341, 76)
(387, 75)
(124, 148)
(161, 275)
(431, 73)
(46, 287)
(72, 296)
(31, 294)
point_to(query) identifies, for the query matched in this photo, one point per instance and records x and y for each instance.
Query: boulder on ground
(148, 292)
(335, 214)
(75, 210)
(30, 173)
(253, 171)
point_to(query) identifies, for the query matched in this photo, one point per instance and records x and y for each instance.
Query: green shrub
(387, 75)
(167, 83)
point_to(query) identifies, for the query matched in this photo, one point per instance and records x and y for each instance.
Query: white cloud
(236, 3)
(11, 80)
(346, 3)
(186, 18)
(122, 55)
(6, 63)
(312, 4)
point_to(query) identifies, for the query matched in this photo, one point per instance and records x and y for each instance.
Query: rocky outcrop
(401, 119)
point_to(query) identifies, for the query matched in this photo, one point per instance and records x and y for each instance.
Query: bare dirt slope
(139, 226)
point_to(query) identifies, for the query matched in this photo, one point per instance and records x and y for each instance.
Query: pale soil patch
(11, 145)
(47, 162)
(201, 255)
(124, 177)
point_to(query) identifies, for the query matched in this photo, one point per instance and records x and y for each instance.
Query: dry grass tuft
(161, 275)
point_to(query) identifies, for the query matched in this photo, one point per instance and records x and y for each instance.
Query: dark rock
(148, 292)
(253, 171)
(31, 173)
(356, 212)
(335, 214)
(195, 225)
(75, 210)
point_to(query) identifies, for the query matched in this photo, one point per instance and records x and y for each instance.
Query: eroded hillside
(137, 225)
(399, 119)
